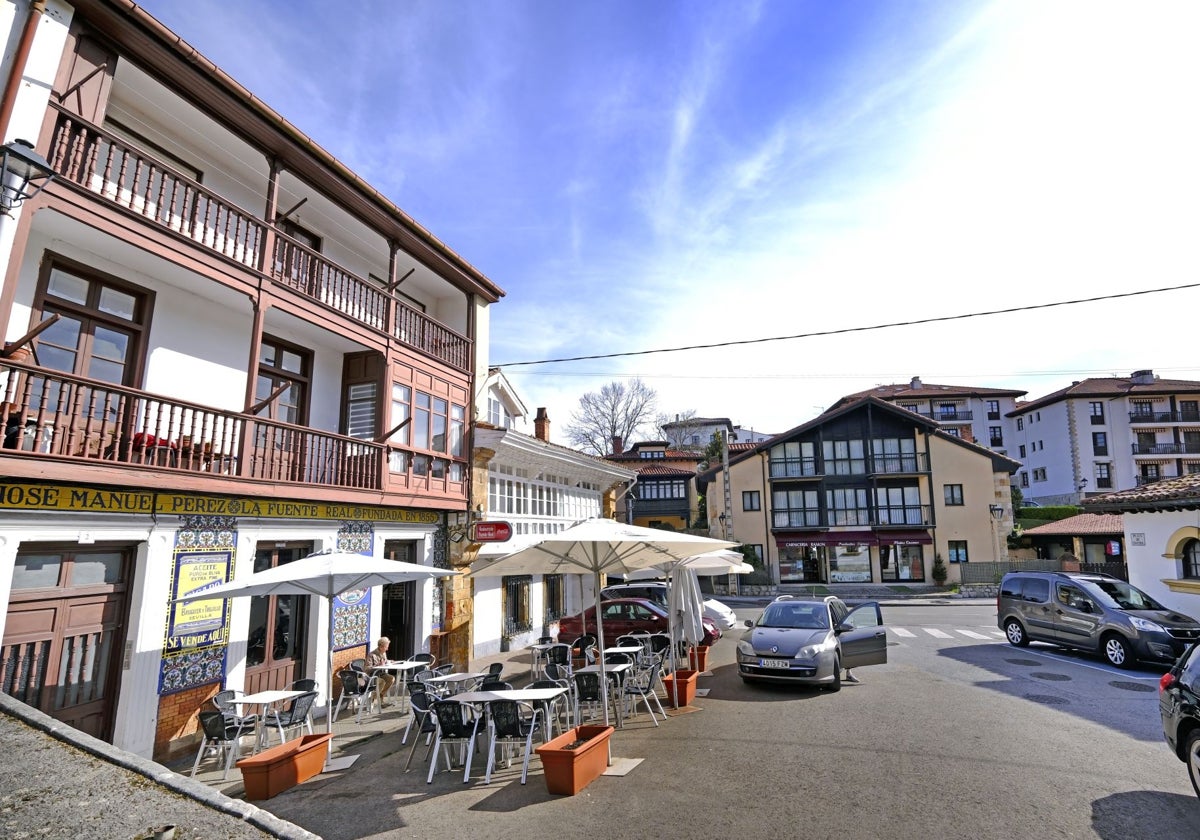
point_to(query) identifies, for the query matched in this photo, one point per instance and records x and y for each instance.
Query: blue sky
(643, 175)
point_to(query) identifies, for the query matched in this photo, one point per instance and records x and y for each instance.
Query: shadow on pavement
(1124, 815)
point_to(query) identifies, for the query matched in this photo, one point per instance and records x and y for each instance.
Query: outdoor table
(617, 669)
(526, 695)
(633, 650)
(399, 668)
(457, 678)
(264, 700)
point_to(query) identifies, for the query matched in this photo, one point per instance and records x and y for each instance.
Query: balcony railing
(1164, 417)
(1141, 480)
(119, 172)
(949, 416)
(1166, 449)
(912, 462)
(905, 515)
(52, 414)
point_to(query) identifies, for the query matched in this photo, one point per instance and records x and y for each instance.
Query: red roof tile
(1084, 523)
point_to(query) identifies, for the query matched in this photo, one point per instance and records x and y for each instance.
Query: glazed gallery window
(844, 457)
(437, 428)
(953, 493)
(792, 459)
(795, 508)
(848, 506)
(751, 500)
(661, 489)
(957, 551)
(893, 455)
(899, 506)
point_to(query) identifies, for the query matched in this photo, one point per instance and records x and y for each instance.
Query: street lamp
(997, 511)
(24, 173)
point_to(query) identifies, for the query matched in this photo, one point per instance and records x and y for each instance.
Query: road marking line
(937, 634)
(973, 635)
(900, 631)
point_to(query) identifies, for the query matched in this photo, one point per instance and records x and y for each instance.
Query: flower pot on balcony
(681, 687)
(274, 770)
(575, 759)
(699, 657)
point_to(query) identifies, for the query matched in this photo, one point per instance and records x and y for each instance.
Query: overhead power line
(844, 330)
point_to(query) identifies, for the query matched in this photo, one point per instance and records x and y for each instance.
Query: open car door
(863, 637)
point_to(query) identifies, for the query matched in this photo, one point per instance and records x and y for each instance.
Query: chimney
(1143, 377)
(541, 425)
(915, 384)
(618, 445)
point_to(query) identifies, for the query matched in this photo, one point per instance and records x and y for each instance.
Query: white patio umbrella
(599, 546)
(327, 575)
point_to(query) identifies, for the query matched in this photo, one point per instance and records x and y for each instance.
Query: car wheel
(836, 685)
(1015, 633)
(1191, 754)
(1116, 651)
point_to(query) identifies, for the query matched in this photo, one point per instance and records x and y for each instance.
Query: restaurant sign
(100, 500)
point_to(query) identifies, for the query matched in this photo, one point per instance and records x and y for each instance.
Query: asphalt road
(958, 736)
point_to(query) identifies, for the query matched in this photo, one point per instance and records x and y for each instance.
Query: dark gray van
(1095, 613)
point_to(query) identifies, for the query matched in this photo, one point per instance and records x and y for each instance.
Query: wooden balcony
(50, 415)
(121, 174)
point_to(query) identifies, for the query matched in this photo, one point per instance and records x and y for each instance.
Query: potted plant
(575, 758)
(681, 687)
(274, 770)
(939, 570)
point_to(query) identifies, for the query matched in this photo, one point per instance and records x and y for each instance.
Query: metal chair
(356, 692)
(422, 717)
(587, 691)
(559, 655)
(223, 702)
(640, 684)
(507, 726)
(307, 685)
(560, 707)
(458, 724)
(219, 733)
(295, 716)
(495, 669)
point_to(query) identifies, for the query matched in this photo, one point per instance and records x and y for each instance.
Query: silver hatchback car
(809, 641)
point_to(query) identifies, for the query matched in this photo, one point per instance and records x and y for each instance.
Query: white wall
(1152, 541)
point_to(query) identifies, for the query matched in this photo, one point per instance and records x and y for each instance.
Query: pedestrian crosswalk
(947, 633)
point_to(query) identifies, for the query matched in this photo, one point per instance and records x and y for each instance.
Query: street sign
(498, 531)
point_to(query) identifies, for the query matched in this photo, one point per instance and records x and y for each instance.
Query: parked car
(626, 615)
(1179, 705)
(655, 591)
(810, 640)
(1094, 613)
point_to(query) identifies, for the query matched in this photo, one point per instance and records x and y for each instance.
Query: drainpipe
(13, 82)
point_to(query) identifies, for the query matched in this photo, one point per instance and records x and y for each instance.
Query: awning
(905, 538)
(811, 538)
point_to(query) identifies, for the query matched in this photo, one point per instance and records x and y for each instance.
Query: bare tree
(616, 410)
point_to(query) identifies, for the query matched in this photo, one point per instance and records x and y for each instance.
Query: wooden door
(64, 634)
(275, 649)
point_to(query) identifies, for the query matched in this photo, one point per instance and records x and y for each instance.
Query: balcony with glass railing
(119, 173)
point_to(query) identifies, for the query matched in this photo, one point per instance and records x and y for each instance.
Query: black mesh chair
(223, 702)
(511, 723)
(296, 716)
(356, 692)
(222, 735)
(559, 655)
(495, 669)
(307, 685)
(421, 720)
(559, 707)
(457, 724)
(587, 692)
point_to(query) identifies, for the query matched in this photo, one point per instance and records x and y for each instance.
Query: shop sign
(497, 531)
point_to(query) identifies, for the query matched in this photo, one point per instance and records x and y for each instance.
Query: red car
(626, 615)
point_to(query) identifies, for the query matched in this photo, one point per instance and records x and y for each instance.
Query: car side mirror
(749, 622)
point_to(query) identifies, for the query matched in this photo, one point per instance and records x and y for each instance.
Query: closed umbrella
(599, 546)
(327, 575)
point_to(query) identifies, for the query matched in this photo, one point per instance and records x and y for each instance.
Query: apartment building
(539, 488)
(973, 413)
(1106, 434)
(867, 492)
(223, 351)
(698, 432)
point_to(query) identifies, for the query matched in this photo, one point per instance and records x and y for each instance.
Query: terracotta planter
(274, 770)
(681, 687)
(699, 657)
(569, 771)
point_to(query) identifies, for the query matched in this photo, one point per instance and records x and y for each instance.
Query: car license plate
(774, 663)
